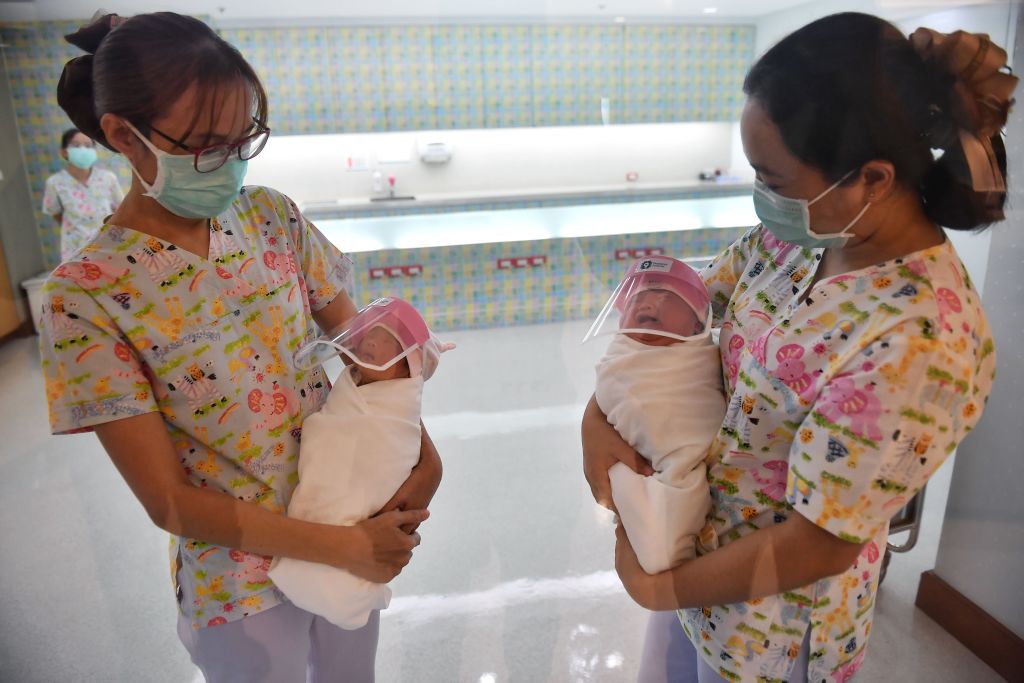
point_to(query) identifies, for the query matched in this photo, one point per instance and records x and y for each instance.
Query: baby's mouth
(646, 319)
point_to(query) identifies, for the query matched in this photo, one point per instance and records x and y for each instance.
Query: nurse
(856, 354)
(171, 335)
(79, 197)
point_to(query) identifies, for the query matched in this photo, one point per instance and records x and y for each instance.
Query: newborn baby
(660, 384)
(359, 448)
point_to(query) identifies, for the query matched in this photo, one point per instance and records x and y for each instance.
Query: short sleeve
(879, 430)
(723, 273)
(51, 199)
(327, 271)
(91, 374)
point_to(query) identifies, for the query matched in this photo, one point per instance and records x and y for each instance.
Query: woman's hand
(418, 490)
(602, 449)
(377, 549)
(649, 591)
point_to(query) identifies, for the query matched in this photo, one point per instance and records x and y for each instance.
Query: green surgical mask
(789, 220)
(184, 191)
(82, 157)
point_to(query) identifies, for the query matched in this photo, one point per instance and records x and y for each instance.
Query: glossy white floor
(513, 582)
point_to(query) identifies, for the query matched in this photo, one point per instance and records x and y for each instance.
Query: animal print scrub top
(133, 325)
(841, 406)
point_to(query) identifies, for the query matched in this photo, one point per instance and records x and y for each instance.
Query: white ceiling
(393, 11)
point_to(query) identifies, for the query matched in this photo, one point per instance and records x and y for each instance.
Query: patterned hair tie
(985, 95)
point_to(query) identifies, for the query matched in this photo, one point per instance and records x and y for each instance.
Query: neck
(146, 215)
(892, 228)
(79, 174)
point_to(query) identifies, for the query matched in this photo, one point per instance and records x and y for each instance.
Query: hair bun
(978, 65)
(89, 37)
(75, 97)
(75, 93)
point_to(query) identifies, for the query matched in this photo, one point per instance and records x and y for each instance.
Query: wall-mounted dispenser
(434, 151)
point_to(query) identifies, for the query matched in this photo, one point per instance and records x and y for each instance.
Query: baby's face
(659, 310)
(378, 347)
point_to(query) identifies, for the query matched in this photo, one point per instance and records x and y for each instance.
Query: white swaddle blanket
(355, 453)
(667, 403)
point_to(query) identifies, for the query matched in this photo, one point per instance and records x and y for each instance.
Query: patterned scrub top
(840, 407)
(134, 325)
(83, 207)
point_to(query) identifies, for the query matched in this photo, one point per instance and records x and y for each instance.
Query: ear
(64, 154)
(120, 136)
(879, 178)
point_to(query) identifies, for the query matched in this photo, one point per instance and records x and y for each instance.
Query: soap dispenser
(378, 182)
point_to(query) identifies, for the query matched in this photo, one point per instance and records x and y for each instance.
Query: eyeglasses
(208, 159)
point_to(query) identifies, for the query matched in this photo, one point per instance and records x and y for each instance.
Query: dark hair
(850, 88)
(65, 138)
(138, 67)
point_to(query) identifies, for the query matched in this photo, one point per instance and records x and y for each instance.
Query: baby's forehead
(380, 332)
(654, 292)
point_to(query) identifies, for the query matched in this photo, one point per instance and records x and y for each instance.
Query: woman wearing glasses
(171, 334)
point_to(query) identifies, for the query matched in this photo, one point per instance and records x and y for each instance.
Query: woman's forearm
(141, 450)
(766, 562)
(220, 519)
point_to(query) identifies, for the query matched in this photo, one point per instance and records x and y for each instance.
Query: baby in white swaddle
(359, 448)
(660, 385)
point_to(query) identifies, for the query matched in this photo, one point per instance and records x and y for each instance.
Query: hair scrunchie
(985, 92)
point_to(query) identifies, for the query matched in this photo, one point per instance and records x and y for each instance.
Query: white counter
(515, 225)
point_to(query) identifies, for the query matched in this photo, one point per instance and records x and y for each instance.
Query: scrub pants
(284, 644)
(669, 656)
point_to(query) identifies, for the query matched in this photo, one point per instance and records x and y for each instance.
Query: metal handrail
(907, 519)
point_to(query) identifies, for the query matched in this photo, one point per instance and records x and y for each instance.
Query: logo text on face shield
(659, 265)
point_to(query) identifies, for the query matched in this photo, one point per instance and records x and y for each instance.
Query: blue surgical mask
(789, 220)
(184, 191)
(82, 157)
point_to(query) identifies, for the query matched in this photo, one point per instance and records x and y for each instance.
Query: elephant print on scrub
(860, 408)
(275, 407)
(844, 396)
(133, 325)
(793, 372)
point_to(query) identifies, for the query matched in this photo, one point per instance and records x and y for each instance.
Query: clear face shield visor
(659, 299)
(378, 337)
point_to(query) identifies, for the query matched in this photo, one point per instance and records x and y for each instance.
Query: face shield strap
(671, 335)
(308, 358)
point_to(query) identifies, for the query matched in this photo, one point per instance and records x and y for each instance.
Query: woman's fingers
(633, 460)
(403, 517)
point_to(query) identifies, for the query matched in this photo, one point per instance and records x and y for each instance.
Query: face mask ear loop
(834, 186)
(151, 190)
(846, 231)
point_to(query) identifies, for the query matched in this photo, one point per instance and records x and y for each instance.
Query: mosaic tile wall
(389, 78)
(461, 286)
(358, 79)
(35, 54)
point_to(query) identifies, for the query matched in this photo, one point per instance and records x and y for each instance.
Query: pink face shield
(658, 296)
(378, 337)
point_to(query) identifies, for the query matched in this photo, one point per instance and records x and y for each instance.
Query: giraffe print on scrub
(135, 325)
(842, 403)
